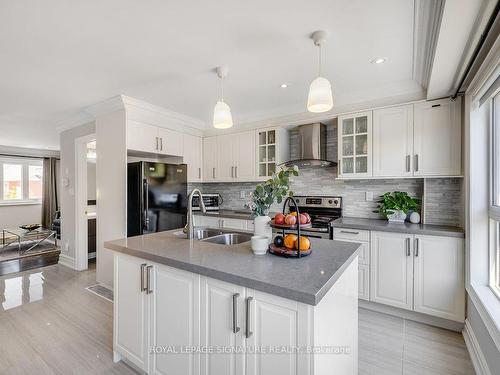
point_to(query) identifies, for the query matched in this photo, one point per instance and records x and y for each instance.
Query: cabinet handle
(213, 172)
(248, 332)
(236, 329)
(236, 171)
(416, 245)
(407, 163)
(143, 266)
(407, 245)
(161, 144)
(416, 162)
(157, 143)
(232, 172)
(148, 280)
(348, 232)
(221, 223)
(199, 172)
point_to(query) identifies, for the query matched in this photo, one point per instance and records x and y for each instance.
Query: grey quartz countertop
(305, 280)
(385, 226)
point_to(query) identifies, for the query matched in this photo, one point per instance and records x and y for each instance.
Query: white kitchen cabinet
(221, 222)
(222, 309)
(142, 137)
(437, 138)
(439, 276)
(171, 142)
(355, 145)
(391, 269)
(193, 157)
(393, 141)
(272, 149)
(131, 311)
(364, 282)
(225, 157)
(210, 159)
(273, 322)
(244, 156)
(174, 319)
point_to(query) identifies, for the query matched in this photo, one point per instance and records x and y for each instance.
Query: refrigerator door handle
(145, 224)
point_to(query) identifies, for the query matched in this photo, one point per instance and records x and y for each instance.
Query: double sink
(220, 236)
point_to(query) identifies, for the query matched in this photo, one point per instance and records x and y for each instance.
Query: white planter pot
(262, 227)
(397, 217)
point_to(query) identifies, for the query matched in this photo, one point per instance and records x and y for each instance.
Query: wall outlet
(369, 196)
(242, 194)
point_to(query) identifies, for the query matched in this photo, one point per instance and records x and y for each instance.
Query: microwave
(212, 202)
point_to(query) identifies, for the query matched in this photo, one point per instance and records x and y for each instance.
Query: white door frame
(81, 219)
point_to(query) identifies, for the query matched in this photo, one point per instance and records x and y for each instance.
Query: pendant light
(320, 97)
(222, 112)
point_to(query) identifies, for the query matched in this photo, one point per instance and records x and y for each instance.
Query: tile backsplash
(442, 197)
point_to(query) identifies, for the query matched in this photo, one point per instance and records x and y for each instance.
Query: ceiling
(58, 57)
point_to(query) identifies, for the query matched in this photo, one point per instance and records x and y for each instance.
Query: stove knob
(336, 202)
(297, 200)
(330, 201)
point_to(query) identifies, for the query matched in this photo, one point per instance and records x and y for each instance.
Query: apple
(307, 216)
(279, 219)
(290, 220)
(303, 219)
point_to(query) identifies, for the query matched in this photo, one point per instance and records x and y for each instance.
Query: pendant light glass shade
(320, 97)
(222, 116)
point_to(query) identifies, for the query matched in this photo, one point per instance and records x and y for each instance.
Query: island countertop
(305, 280)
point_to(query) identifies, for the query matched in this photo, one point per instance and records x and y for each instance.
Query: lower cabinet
(418, 272)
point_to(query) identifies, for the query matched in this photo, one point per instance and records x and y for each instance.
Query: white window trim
(25, 162)
(478, 288)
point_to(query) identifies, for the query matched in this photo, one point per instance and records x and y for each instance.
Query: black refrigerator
(156, 197)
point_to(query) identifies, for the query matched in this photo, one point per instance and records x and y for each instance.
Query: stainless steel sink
(229, 238)
(202, 233)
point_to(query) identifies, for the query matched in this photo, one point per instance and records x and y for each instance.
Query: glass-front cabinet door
(354, 145)
(266, 151)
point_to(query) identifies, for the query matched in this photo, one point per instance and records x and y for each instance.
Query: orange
(290, 240)
(305, 244)
(293, 213)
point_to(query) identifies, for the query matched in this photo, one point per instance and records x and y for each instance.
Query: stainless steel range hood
(312, 147)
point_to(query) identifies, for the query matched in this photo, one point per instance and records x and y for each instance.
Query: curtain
(49, 195)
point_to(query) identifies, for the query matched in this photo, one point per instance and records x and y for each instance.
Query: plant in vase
(396, 205)
(265, 194)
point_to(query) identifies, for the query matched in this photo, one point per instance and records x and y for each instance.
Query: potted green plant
(265, 194)
(396, 205)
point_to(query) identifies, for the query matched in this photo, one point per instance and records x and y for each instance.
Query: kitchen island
(189, 307)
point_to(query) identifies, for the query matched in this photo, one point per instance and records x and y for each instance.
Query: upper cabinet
(437, 138)
(420, 140)
(229, 157)
(272, 149)
(354, 145)
(153, 139)
(193, 150)
(393, 141)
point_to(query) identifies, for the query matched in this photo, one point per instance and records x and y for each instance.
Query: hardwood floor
(49, 324)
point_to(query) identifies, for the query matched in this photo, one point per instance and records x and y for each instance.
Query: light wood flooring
(49, 324)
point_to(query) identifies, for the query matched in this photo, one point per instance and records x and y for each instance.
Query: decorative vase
(262, 227)
(415, 217)
(397, 216)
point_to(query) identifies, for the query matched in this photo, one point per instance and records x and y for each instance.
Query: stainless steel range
(323, 210)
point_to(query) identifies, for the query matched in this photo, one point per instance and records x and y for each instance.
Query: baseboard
(412, 315)
(475, 352)
(67, 261)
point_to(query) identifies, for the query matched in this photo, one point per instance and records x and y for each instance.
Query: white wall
(12, 216)
(67, 196)
(111, 181)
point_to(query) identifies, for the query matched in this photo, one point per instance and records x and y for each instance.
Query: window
(20, 180)
(494, 210)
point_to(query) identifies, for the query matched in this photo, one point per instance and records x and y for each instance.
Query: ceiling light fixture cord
(319, 64)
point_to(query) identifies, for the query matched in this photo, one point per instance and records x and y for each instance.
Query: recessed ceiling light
(378, 60)
(283, 85)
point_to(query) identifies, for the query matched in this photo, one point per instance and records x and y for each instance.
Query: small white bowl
(260, 245)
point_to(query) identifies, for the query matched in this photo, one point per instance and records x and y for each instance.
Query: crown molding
(427, 20)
